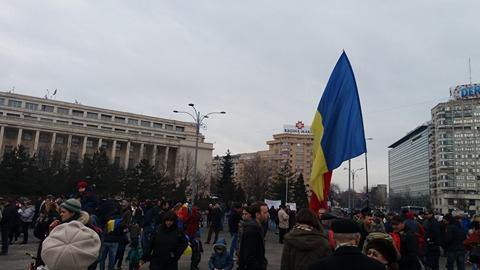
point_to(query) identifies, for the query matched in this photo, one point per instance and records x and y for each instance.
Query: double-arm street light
(351, 179)
(198, 118)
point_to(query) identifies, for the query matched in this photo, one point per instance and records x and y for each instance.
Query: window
(107, 128)
(46, 119)
(181, 138)
(170, 137)
(10, 134)
(118, 147)
(31, 106)
(132, 121)
(2, 101)
(180, 129)
(77, 124)
(89, 143)
(106, 117)
(75, 141)
(169, 127)
(77, 113)
(147, 133)
(133, 131)
(15, 103)
(120, 130)
(120, 119)
(92, 126)
(63, 111)
(92, 115)
(47, 108)
(62, 122)
(60, 140)
(13, 114)
(146, 124)
(8, 148)
(30, 117)
(104, 144)
(44, 138)
(157, 125)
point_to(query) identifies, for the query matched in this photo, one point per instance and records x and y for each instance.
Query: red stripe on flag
(315, 203)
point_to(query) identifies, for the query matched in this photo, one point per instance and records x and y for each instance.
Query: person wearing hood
(166, 246)
(305, 243)
(220, 259)
(383, 250)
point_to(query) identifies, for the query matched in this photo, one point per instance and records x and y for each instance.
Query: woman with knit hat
(383, 251)
(71, 210)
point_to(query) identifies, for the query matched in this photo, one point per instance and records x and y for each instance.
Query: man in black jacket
(433, 239)
(454, 236)
(252, 250)
(347, 255)
(7, 224)
(408, 245)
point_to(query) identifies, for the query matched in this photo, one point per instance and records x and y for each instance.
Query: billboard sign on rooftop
(298, 128)
(466, 91)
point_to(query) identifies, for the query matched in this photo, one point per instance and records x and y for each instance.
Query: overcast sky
(264, 62)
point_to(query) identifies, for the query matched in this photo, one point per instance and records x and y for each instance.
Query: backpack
(396, 240)
(421, 242)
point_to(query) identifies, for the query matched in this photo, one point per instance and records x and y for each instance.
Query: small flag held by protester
(337, 130)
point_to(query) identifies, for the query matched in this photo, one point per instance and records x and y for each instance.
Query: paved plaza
(17, 260)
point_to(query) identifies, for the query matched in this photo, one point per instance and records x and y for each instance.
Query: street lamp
(352, 173)
(198, 118)
(366, 173)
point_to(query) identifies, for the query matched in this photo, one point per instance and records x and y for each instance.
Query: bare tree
(254, 179)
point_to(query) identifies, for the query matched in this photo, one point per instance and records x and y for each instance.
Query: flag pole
(366, 179)
(349, 183)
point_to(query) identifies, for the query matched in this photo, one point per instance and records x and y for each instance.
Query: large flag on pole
(337, 130)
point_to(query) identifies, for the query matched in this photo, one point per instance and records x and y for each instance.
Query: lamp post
(366, 174)
(198, 118)
(352, 172)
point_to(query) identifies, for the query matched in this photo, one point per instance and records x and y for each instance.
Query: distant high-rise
(408, 160)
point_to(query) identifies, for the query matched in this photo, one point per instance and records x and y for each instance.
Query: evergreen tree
(225, 186)
(277, 188)
(300, 196)
(18, 173)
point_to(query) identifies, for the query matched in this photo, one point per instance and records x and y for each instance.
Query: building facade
(455, 148)
(408, 161)
(62, 131)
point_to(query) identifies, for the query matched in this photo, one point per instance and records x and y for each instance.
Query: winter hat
(72, 205)
(345, 226)
(70, 246)
(384, 247)
(82, 184)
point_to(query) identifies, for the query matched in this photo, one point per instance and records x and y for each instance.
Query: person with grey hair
(347, 255)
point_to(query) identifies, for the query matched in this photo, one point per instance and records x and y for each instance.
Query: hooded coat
(303, 246)
(220, 261)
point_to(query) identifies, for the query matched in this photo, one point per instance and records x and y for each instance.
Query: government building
(63, 132)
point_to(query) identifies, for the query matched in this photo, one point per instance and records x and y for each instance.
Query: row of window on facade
(91, 115)
(438, 201)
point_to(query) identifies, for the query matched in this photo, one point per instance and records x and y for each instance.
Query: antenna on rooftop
(470, 69)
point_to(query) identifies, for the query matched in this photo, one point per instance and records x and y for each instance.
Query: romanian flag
(337, 130)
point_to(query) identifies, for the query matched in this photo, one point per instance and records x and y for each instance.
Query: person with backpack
(408, 245)
(433, 240)
(453, 237)
(472, 244)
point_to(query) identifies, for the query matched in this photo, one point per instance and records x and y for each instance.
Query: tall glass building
(408, 160)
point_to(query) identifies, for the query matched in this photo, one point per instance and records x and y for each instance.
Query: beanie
(72, 205)
(82, 184)
(70, 246)
(384, 247)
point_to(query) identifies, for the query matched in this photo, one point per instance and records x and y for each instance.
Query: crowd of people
(85, 232)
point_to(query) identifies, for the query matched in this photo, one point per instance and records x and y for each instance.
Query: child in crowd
(134, 255)
(197, 249)
(220, 259)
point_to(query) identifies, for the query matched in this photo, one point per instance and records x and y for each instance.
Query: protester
(252, 248)
(453, 238)
(384, 251)
(166, 246)
(7, 224)
(305, 243)
(433, 240)
(472, 244)
(233, 223)
(87, 197)
(71, 246)
(273, 221)
(347, 255)
(365, 224)
(192, 231)
(113, 236)
(50, 212)
(215, 223)
(26, 212)
(220, 259)
(197, 249)
(408, 245)
(134, 256)
(283, 219)
(125, 223)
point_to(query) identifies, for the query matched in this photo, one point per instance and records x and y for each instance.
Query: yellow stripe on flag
(319, 163)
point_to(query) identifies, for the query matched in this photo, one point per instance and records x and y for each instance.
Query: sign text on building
(298, 128)
(465, 91)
